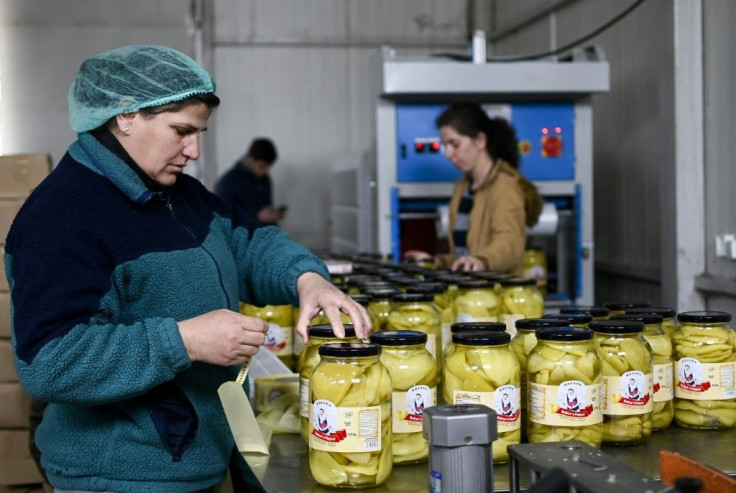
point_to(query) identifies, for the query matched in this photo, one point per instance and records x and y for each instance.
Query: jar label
(344, 429)
(629, 394)
(704, 381)
(280, 340)
(504, 400)
(408, 408)
(663, 388)
(304, 397)
(572, 403)
(537, 272)
(466, 317)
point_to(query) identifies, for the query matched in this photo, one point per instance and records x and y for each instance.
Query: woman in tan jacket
(493, 203)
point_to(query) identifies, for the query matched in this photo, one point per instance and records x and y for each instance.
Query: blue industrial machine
(548, 103)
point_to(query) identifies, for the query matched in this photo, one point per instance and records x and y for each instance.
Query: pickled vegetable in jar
(416, 311)
(483, 370)
(563, 376)
(535, 267)
(597, 312)
(705, 361)
(520, 298)
(350, 417)
(669, 320)
(626, 381)
(521, 345)
(663, 392)
(280, 336)
(574, 319)
(619, 308)
(380, 306)
(442, 300)
(476, 302)
(308, 360)
(363, 299)
(414, 388)
(470, 327)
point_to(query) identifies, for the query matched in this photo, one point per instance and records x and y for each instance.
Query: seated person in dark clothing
(247, 185)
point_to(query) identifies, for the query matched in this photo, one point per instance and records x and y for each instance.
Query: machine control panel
(545, 131)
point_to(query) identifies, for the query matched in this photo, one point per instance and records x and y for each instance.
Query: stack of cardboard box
(19, 175)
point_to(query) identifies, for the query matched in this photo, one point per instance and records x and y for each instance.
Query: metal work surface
(288, 468)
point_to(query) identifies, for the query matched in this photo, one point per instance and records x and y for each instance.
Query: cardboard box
(16, 406)
(3, 279)
(14, 445)
(7, 364)
(19, 472)
(8, 210)
(5, 314)
(21, 173)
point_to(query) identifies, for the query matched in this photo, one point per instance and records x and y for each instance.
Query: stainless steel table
(288, 469)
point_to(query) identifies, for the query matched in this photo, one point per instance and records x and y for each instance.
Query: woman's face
(163, 144)
(463, 151)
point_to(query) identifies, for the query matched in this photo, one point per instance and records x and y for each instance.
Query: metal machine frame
(432, 79)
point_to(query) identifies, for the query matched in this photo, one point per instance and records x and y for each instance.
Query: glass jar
(521, 345)
(705, 356)
(483, 370)
(414, 387)
(425, 263)
(280, 336)
(308, 360)
(573, 319)
(469, 327)
(669, 320)
(520, 298)
(564, 375)
(442, 300)
(476, 302)
(350, 417)
(597, 312)
(416, 311)
(663, 391)
(381, 305)
(626, 381)
(619, 308)
(535, 267)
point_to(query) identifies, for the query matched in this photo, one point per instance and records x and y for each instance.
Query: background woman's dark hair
(469, 118)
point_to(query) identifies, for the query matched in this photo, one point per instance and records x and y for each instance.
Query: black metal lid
(645, 318)
(478, 326)
(383, 292)
(567, 334)
(476, 284)
(399, 337)
(704, 317)
(593, 311)
(453, 279)
(626, 305)
(616, 326)
(413, 297)
(539, 323)
(361, 298)
(428, 287)
(519, 281)
(481, 338)
(570, 318)
(325, 330)
(658, 310)
(349, 349)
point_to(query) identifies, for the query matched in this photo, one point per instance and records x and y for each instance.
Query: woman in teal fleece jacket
(125, 279)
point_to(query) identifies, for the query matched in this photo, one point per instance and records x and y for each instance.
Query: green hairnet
(127, 79)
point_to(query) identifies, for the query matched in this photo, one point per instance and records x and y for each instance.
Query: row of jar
(553, 382)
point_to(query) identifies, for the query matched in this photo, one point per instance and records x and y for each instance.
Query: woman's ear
(481, 140)
(124, 122)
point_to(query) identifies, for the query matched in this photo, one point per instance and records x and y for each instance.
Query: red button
(552, 146)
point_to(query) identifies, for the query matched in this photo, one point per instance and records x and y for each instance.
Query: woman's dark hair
(469, 118)
(209, 99)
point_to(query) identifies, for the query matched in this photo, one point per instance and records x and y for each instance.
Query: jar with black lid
(308, 360)
(470, 327)
(669, 317)
(563, 378)
(350, 417)
(574, 319)
(414, 388)
(626, 381)
(416, 311)
(597, 312)
(381, 305)
(483, 370)
(705, 361)
(620, 307)
(520, 298)
(476, 301)
(662, 367)
(442, 299)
